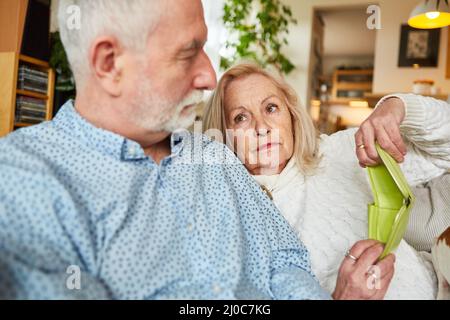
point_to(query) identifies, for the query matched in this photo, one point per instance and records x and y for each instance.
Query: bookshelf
(9, 92)
(24, 33)
(349, 85)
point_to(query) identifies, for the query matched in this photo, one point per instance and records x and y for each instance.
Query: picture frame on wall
(419, 47)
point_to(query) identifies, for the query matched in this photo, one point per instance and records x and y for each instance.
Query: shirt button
(190, 227)
(217, 289)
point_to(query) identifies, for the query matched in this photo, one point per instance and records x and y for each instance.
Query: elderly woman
(317, 182)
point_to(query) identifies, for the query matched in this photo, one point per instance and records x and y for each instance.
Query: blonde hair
(306, 136)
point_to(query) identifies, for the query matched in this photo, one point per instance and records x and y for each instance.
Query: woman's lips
(267, 146)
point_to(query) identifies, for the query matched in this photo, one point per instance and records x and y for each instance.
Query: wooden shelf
(351, 80)
(355, 72)
(9, 66)
(345, 100)
(34, 62)
(24, 125)
(347, 86)
(32, 94)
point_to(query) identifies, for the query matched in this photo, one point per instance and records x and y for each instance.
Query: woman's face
(260, 123)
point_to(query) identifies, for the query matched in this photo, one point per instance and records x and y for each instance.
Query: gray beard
(157, 114)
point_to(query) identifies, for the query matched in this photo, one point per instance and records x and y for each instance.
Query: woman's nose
(262, 128)
(262, 131)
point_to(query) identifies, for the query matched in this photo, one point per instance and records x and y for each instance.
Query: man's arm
(39, 257)
(291, 278)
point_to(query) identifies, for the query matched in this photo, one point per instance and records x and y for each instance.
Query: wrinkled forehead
(253, 88)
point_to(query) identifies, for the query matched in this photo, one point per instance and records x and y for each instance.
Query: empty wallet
(393, 201)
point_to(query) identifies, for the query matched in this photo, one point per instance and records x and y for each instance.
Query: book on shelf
(32, 71)
(28, 119)
(30, 110)
(31, 79)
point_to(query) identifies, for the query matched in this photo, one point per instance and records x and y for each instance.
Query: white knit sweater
(329, 209)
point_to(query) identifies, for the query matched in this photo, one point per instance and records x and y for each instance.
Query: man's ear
(105, 56)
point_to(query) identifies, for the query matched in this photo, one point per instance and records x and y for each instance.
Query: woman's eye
(240, 118)
(271, 108)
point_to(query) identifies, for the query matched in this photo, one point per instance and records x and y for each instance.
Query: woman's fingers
(383, 286)
(393, 132)
(386, 265)
(365, 146)
(369, 257)
(386, 280)
(365, 278)
(356, 252)
(361, 246)
(379, 277)
(383, 126)
(369, 143)
(385, 142)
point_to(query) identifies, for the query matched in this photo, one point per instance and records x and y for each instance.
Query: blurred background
(341, 56)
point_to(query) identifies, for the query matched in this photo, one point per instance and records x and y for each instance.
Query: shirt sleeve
(39, 255)
(291, 274)
(279, 253)
(426, 129)
(292, 282)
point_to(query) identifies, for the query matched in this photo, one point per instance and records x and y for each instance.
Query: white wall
(342, 38)
(54, 16)
(387, 78)
(345, 45)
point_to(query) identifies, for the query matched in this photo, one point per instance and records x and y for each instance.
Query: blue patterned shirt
(85, 214)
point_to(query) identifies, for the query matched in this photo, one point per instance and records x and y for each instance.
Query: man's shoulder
(202, 139)
(209, 150)
(20, 150)
(28, 135)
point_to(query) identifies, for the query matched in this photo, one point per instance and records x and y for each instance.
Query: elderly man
(103, 202)
(110, 201)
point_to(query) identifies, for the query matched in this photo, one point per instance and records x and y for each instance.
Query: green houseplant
(58, 61)
(65, 82)
(258, 31)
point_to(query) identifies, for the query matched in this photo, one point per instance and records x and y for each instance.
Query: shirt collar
(105, 141)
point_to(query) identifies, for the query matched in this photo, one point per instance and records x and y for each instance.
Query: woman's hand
(364, 278)
(383, 126)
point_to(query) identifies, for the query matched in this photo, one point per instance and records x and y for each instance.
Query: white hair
(129, 21)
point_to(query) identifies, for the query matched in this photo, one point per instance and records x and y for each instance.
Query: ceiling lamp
(430, 14)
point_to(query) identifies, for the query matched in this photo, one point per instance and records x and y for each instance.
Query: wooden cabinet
(351, 85)
(17, 24)
(9, 92)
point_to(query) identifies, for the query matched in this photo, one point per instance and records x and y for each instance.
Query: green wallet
(389, 215)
